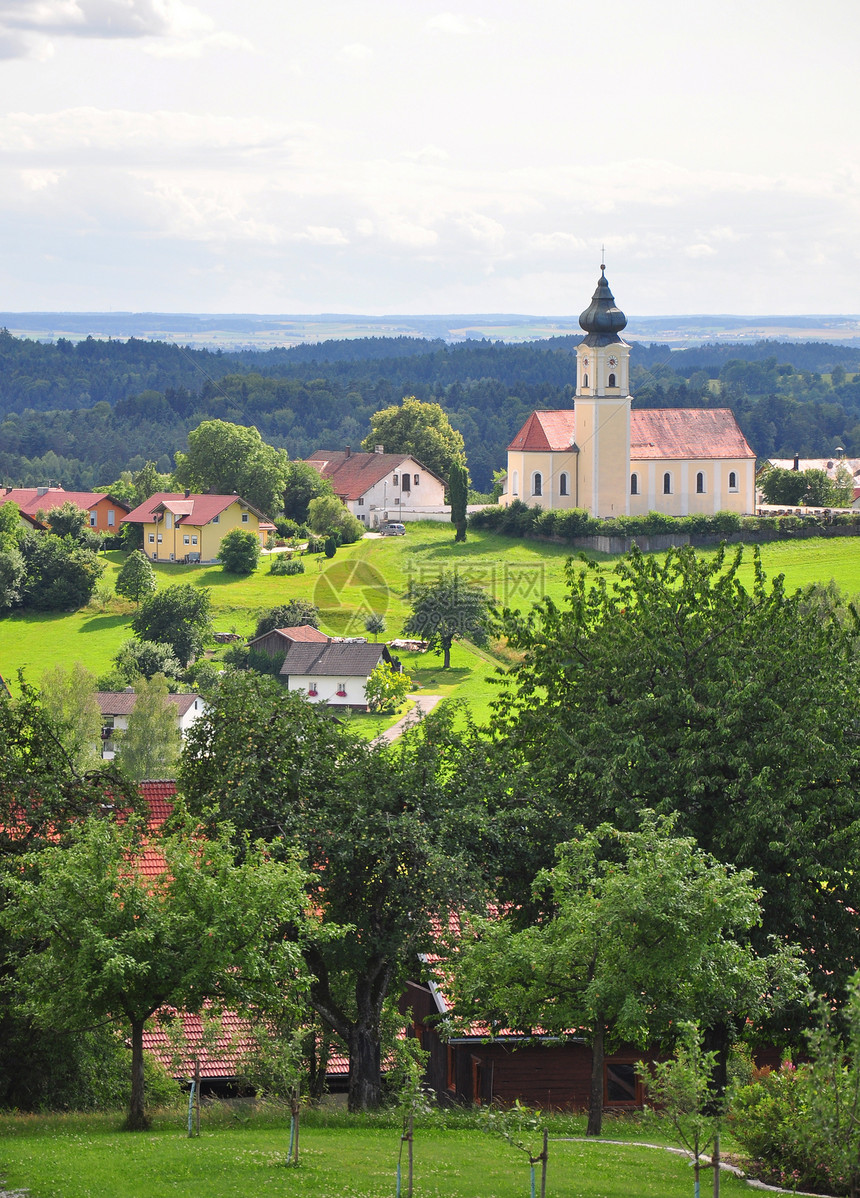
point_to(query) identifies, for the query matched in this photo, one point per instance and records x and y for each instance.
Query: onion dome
(602, 320)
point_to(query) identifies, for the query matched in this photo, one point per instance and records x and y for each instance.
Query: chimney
(379, 449)
(40, 491)
(349, 451)
(796, 465)
(187, 494)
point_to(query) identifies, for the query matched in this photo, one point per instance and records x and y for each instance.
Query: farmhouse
(613, 460)
(188, 527)
(103, 511)
(117, 706)
(377, 487)
(327, 669)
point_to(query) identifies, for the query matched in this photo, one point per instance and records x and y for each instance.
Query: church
(611, 459)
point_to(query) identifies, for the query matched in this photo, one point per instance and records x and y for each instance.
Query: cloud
(699, 251)
(355, 52)
(175, 27)
(458, 24)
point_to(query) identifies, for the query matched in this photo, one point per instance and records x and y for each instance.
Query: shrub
(239, 551)
(282, 563)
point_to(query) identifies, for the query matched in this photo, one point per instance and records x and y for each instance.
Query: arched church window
(634, 484)
(562, 484)
(537, 484)
(700, 483)
(611, 382)
(667, 483)
(585, 380)
(733, 481)
(515, 483)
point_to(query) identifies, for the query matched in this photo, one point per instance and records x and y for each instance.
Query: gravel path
(421, 706)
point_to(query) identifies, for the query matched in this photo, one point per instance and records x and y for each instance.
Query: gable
(546, 431)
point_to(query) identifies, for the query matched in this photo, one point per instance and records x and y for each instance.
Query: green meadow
(373, 576)
(86, 1157)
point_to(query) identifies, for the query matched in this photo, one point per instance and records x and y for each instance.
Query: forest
(79, 413)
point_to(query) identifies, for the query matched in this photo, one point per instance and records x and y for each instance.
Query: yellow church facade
(613, 460)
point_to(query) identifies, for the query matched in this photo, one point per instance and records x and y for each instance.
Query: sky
(403, 157)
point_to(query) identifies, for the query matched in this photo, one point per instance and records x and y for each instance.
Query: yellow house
(186, 527)
(614, 460)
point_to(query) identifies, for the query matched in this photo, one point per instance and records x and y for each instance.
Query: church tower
(602, 407)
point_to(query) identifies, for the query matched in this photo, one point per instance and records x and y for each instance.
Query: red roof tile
(547, 431)
(686, 433)
(195, 510)
(30, 501)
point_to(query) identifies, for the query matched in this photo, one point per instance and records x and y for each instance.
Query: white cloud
(322, 235)
(458, 24)
(177, 28)
(355, 52)
(699, 250)
(39, 180)
(428, 153)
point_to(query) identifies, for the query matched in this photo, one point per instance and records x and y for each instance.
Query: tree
(303, 483)
(420, 429)
(445, 610)
(392, 836)
(289, 615)
(668, 683)
(375, 623)
(149, 748)
(109, 941)
(239, 551)
(60, 575)
(812, 488)
(178, 616)
(327, 514)
(12, 576)
(68, 520)
(143, 659)
(458, 493)
(640, 931)
(224, 458)
(136, 577)
(69, 701)
(386, 688)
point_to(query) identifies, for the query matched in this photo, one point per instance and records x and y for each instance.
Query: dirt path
(421, 706)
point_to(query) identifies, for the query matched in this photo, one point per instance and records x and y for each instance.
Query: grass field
(373, 576)
(86, 1157)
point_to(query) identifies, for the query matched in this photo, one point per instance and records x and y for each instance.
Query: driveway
(421, 706)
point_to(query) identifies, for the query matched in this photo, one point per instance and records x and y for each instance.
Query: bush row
(520, 520)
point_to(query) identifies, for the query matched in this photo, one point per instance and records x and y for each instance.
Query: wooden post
(197, 1091)
(544, 1157)
(295, 1109)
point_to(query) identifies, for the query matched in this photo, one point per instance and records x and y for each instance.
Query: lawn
(86, 1157)
(373, 576)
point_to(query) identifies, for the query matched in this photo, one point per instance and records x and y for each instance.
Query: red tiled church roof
(546, 430)
(680, 433)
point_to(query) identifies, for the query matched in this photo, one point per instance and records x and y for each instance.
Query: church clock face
(613, 361)
(585, 361)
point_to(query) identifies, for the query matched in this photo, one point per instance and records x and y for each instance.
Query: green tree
(68, 520)
(375, 623)
(391, 834)
(239, 551)
(149, 747)
(143, 659)
(224, 458)
(136, 577)
(12, 576)
(289, 615)
(303, 483)
(69, 701)
(386, 688)
(641, 930)
(179, 617)
(670, 682)
(327, 514)
(109, 941)
(445, 610)
(420, 429)
(458, 493)
(60, 575)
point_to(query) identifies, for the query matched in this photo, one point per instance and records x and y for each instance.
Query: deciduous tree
(136, 577)
(445, 610)
(149, 747)
(239, 551)
(69, 701)
(224, 458)
(420, 429)
(178, 616)
(289, 615)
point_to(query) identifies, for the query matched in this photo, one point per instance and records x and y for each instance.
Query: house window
(634, 484)
(700, 483)
(562, 484)
(152, 538)
(111, 518)
(341, 690)
(361, 501)
(733, 481)
(215, 520)
(396, 480)
(168, 520)
(537, 484)
(611, 382)
(186, 540)
(397, 499)
(667, 483)
(406, 483)
(362, 517)
(416, 478)
(93, 519)
(244, 517)
(620, 1087)
(160, 538)
(193, 540)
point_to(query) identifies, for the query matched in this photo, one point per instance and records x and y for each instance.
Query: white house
(117, 706)
(380, 486)
(335, 673)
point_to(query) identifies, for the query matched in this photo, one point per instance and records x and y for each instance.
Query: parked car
(393, 530)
